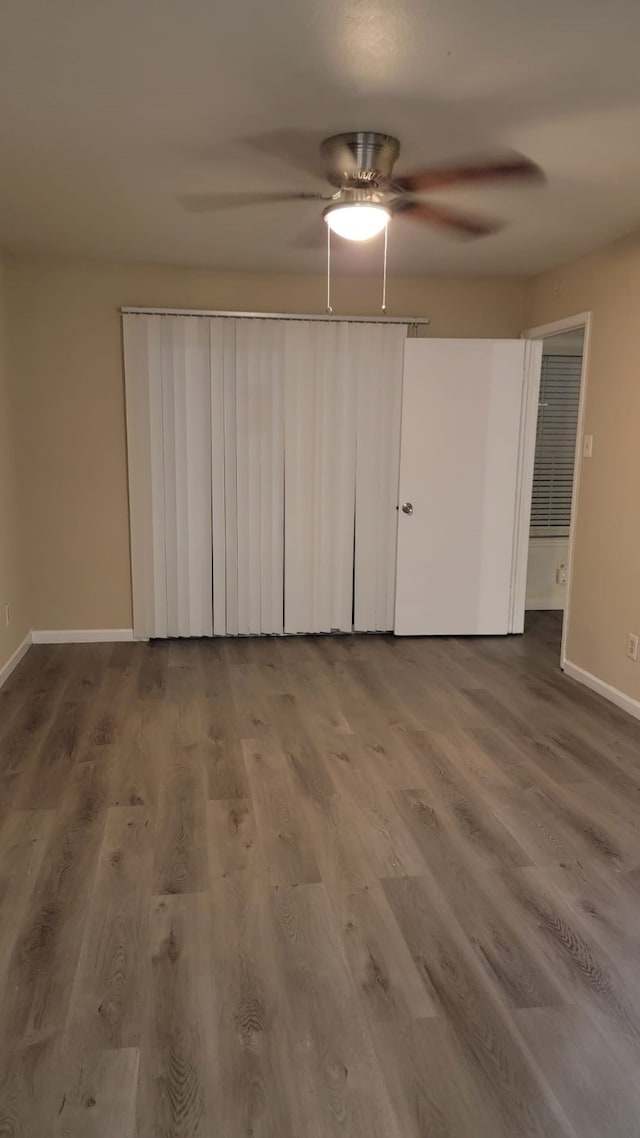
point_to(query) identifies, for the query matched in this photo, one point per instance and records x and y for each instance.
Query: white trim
(81, 635)
(569, 324)
(275, 315)
(14, 659)
(614, 695)
(540, 604)
(526, 458)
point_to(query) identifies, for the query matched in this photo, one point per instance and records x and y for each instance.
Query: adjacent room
(319, 570)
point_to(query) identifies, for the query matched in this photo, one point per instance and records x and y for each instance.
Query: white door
(460, 438)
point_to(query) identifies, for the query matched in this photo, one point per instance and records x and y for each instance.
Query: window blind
(555, 445)
(263, 473)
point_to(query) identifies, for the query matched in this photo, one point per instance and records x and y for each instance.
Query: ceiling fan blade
(298, 148)
(312, 236)
(210, 203)
(462, 224)
(514, 168)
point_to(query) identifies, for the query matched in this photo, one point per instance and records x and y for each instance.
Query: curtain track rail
(412, 320)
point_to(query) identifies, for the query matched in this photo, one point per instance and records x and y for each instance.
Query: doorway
(556, 472)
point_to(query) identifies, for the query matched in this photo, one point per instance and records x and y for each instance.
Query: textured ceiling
(111, 110)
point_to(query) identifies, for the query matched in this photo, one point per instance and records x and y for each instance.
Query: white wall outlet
(587, 446)
(632, 646)
(561, 574)
(7, 614)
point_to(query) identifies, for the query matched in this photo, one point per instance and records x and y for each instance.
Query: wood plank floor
(317, 887)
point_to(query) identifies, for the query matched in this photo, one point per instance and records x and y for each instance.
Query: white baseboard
(14, 660)
(538, 603)
(614, 695)
(81, 635)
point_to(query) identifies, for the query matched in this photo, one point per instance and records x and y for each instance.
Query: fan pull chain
(384, 270)
(329, 308)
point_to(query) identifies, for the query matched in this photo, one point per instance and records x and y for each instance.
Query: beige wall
(13, 584)
(605, 601)
(67, 381)
(66, 330)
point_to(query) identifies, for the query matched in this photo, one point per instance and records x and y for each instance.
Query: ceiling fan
(368, 194)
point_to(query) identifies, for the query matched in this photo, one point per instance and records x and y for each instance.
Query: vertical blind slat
(199, 485)
(378, 456)
(230, 480)
(218, 333)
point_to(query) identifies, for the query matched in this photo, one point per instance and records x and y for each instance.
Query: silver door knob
(407, 507)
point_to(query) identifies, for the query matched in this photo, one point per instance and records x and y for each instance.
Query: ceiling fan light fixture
(357, 221)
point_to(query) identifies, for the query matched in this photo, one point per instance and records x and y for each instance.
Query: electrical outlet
(7, 615)
(561, 574)
(632, 646)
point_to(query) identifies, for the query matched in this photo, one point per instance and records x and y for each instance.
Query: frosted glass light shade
(357, 221)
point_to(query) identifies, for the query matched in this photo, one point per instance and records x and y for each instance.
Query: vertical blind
(263, 470)
(555, 445)
(320, 447)
(377, 473)
(168, 418)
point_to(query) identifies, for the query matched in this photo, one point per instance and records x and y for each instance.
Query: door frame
(527, 452)
(532, 365)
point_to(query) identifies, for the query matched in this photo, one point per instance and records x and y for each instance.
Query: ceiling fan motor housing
(360, 158)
